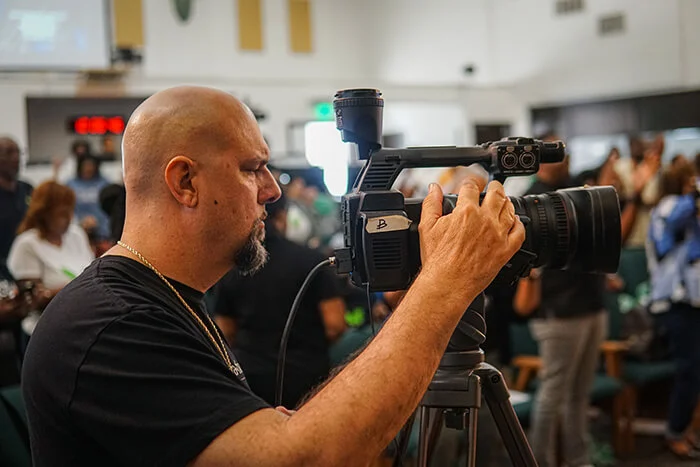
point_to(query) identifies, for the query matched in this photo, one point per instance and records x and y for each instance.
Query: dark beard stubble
(253, 256)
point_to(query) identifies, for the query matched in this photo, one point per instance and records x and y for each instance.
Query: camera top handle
(507, 157)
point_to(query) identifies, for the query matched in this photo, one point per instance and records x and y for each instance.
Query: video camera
(576, 229)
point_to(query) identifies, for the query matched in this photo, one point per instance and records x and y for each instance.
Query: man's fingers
(507, 214)
(432, 206)
(495, 197)
(473, 184)
(516, 236)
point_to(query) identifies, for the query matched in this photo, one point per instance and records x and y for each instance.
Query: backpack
(646, 340)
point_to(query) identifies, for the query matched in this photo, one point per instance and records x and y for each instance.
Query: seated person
(49, 250)
(13, 308)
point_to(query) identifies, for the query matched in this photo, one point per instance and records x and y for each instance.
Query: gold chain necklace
(220, 346)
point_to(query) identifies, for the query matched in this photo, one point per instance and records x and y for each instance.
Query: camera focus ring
(358, 101)
(561, 247)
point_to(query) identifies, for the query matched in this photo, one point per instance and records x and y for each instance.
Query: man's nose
(270, 191)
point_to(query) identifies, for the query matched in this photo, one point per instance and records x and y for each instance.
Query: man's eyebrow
(259, 160)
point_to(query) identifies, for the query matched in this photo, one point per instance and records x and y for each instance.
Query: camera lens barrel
(358, 116)
(575, 229)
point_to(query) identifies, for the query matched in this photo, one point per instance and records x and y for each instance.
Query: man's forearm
(356, 415)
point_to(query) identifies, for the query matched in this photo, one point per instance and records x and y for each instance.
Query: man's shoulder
(25, 186)
(92, 292)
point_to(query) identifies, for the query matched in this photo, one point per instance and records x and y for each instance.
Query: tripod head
(455, 392)
(470, 333)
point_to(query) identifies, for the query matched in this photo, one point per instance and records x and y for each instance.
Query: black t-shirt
(260, 304)
(567, 293)
(119, 373)
(13, 207)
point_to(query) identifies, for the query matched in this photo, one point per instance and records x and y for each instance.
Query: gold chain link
(220, 346)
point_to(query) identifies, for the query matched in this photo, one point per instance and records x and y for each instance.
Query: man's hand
(13, 309)
(88, 223)
(468, 247)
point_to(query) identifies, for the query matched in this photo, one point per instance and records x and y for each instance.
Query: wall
(546, 57)
(207, 46)
(284, 104)
(689, 12)
(429, 42)
(47, 121)
(564, 58)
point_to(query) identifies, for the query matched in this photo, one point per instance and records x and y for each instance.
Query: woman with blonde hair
(49, 250)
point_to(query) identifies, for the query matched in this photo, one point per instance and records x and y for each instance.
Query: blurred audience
(13, 309)
(80, 148)
(14, 201)
(673, 253)
(14, 198)
(301, 228)
(569, 323)
(49, 250)
(639, 177)
(113, 203)
(108, 152)
(87, 186)
(314, 216)
(252, 311)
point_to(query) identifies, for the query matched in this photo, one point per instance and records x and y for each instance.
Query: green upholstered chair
(14, 435)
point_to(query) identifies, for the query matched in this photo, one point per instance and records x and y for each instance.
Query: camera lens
(358, 116)
(576, 229)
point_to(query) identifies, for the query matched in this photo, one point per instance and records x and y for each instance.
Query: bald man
(126, 368)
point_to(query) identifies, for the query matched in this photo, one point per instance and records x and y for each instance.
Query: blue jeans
(682, 323)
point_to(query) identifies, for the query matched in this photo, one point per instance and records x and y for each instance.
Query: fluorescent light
(325, 149)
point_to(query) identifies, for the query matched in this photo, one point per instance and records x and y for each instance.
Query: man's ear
(179, 177)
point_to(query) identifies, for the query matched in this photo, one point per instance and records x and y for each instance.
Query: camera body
(380, 227)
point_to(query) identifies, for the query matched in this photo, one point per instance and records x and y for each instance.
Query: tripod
(454, 395)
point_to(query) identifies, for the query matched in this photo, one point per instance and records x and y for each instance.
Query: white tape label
(387, 224)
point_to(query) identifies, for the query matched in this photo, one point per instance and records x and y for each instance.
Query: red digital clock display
(97, 125)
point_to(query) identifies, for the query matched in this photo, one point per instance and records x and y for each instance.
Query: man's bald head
(196, 177)
(191, 121)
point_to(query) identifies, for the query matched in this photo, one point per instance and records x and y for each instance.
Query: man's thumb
(432, 205)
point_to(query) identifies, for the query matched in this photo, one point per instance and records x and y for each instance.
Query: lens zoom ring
(562, 227)
(358, 101)
(544, 230)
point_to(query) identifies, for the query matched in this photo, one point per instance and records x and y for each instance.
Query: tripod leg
(498, 399)
(430, 427)
(423, 437)
(471, 437)
(436, 421)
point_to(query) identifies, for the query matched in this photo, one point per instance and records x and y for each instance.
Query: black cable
(282, 356)
(369, 309)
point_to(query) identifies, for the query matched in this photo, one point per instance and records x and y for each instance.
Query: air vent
(379, 176)
(386, 253)
(611, 24)
(565, 7)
